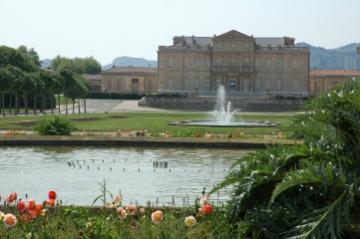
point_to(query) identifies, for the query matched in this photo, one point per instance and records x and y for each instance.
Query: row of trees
(22, 80)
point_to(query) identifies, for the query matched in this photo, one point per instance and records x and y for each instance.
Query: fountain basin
(213, 123)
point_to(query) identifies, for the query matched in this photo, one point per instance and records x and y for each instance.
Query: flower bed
(23, 218)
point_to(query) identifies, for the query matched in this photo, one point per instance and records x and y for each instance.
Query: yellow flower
(157, 216)
(190, 221)
(2, 215)
(10, 220)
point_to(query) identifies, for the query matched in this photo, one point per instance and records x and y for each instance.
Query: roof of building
(92, 77)
(208, 41)
(131, 69)
(270, 41)
(332, 73)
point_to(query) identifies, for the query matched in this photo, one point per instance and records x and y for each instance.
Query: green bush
(309, 190)
(55, 126)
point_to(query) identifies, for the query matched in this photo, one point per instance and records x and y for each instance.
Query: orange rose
(10, 220)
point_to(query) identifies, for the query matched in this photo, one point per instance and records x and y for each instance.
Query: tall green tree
(5, 83)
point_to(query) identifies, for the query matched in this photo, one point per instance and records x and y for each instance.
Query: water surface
(139, 174)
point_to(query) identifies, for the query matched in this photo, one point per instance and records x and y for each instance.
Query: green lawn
(154, 123)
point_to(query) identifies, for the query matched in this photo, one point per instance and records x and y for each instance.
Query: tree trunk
(66, 105)
(85, 105)
(44, 104)
(73, 106)
(59, 103)
(35, 104)
(3, 104)
(26, 103)
(10, 102)
(52, 104)
(79, 104)
(16, 104)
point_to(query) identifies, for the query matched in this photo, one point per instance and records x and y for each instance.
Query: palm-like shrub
(310, 190)
(55, 126)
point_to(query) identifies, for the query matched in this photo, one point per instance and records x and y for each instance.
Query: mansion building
(245, 65)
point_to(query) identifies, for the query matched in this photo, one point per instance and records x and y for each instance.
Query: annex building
(245, 65)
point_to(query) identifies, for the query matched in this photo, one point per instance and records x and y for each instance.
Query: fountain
(222, 115)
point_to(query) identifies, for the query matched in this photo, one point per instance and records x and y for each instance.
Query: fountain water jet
(223, 115)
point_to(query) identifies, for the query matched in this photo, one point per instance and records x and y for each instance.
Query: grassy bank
(156, 124)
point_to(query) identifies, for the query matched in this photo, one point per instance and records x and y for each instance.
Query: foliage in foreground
(103, 223)
(55, 126)
(309, 190)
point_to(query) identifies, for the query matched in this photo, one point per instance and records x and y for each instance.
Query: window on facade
(295, 63)
(296, 85)
(218, 82)
(232, 84)
(197, 61)
(186, 61)
(170, 62)
(246, 86)
(257, 62)
(267, 85)
(247, 60)
(279, 85)
(268, 62)
(257, 84)
(279, 61)
(170, 83)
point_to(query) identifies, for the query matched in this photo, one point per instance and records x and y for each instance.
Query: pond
(162, 176)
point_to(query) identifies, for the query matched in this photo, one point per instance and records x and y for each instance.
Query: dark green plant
(55, 126)
(309, 190)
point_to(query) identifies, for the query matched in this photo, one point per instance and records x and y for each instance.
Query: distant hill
(131, 61)
(344, 57)
(46, 63)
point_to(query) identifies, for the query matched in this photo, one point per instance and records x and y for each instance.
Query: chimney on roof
(193, 40)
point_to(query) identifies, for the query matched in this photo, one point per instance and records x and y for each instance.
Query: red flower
(52, 195)
(50, 202)
(36, 211)
(21, 207)
(207, 209)
(11, 198)
(31, 204)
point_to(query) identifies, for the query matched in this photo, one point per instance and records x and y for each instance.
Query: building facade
(125, 80)
(324, 80)
(243, 64)
(95, 82)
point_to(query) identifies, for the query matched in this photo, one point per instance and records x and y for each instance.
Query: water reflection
(163, 175)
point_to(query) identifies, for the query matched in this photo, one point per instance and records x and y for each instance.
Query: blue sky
(109, 28)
